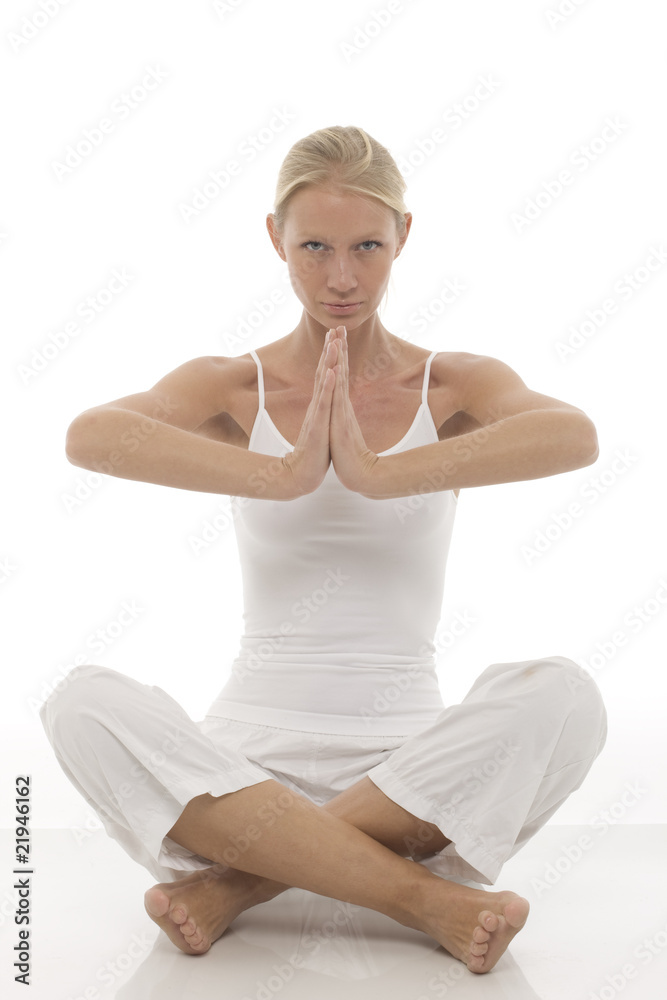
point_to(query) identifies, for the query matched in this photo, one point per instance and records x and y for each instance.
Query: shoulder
(459, 371)
(210, 381)
(230, 373)
(447, 365)
(464, 373)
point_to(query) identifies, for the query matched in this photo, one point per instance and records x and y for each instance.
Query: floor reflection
(301, 945)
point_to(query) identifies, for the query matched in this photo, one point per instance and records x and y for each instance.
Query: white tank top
(342, 596)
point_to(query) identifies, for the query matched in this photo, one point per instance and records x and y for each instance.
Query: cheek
(304, 269)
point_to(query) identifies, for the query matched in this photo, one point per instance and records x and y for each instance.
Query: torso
(384, 414)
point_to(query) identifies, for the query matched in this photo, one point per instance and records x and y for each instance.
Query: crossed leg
(353, 848)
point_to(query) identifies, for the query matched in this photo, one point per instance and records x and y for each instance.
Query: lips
(343, 307)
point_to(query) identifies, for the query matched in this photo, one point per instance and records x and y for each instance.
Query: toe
(156, 901)
(516, 912)
(478, 949)
(480, 935)
(188, 928)
(475, 963)
(198, 942)
(488, 920)
(179, 915)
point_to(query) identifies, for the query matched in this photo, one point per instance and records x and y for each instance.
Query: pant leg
(491, 771)
(137, 758)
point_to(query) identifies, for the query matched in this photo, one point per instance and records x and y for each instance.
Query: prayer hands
(330, 431)
(351, 459)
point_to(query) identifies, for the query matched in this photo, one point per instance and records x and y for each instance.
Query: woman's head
(339, 221)
(347, 158)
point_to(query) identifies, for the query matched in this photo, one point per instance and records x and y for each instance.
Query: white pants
(488, 772)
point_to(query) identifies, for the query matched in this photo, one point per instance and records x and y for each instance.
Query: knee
(69, 704)
(570, 684)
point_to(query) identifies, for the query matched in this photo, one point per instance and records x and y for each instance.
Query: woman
(328, 761)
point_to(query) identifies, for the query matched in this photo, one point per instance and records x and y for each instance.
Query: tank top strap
(427, 371)
(260, 381)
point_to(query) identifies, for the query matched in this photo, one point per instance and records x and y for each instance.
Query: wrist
(374, 477)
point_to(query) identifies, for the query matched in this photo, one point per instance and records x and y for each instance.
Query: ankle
(266, 890)
(415, 902)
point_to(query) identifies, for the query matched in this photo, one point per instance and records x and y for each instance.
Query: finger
(346, 366)
(323, 356)
(327, 358)
(340, 373)
(341, 378)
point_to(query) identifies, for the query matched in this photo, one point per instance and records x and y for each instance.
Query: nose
(341, 277)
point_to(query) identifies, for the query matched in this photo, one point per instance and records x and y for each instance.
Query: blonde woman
(328, 761)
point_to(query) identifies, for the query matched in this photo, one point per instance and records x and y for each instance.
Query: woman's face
(339, 248)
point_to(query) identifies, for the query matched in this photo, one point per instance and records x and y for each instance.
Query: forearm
(529, 445)
(129, 445)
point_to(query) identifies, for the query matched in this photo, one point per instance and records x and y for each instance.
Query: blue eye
(310, 243)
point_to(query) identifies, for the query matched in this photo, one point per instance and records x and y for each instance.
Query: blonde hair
(348, 157)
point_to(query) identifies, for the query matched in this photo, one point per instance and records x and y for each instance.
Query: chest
(384, 418)
(385, 413)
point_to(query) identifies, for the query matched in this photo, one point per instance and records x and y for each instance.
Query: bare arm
(151, 436)
(521, 434)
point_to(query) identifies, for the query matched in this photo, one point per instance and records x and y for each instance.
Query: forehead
(335, 212)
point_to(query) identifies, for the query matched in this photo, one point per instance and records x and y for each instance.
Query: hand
(352, 460)
(307, 463)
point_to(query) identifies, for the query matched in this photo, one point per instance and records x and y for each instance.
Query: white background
(68, 567)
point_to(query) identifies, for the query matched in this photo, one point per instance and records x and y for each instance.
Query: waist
(359, 694)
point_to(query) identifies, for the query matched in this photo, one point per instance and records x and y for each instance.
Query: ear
(408, 224)
(275, 237)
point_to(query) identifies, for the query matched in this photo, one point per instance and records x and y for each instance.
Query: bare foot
(473, 925)
(196, 910)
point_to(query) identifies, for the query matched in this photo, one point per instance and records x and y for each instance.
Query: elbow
(586, 448)
(77, 442)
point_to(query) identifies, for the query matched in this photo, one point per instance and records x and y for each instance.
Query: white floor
(597, 928)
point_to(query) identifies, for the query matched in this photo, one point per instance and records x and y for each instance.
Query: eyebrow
(304, 233)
